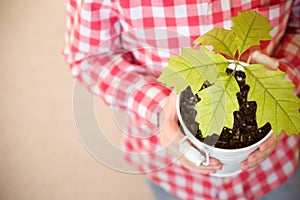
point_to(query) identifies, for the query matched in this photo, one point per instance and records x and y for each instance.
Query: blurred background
(41, 155)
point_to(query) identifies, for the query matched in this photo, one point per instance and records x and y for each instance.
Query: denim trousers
(289, 190)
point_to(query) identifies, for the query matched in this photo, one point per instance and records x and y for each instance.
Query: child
(130, 43)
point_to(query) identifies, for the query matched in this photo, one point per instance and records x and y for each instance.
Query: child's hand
(265, 149)
(170, 136)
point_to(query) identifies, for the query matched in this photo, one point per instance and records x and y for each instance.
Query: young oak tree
(276, 102)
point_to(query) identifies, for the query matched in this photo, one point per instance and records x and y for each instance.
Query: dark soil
(244, 132)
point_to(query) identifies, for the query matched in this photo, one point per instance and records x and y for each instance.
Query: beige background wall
(41, 156)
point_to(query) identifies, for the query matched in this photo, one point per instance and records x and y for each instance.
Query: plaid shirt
(117, 50)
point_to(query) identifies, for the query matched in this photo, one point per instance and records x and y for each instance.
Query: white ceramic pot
(200, 152)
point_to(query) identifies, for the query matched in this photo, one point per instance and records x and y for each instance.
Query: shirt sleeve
(289, 49)
(94, 51)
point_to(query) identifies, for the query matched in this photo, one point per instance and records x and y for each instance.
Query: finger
(254, 159)
(271, 141)
(199, 170)
(268, 143)
(244, 165)
(170, 138)
(170, 107)
(168, 123)
(214, 162)
(262, 153)
(265, 149)
(258, 57)
(213, 166)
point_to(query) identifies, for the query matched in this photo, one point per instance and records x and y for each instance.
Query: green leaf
(218, 102)
(250, 27)
(276, 102)
(192, 68)
(172, 78)
(222, 40)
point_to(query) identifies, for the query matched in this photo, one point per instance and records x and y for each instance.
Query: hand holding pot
(264, 150)
(170, 135)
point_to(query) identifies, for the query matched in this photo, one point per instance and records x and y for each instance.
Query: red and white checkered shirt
(118, 48)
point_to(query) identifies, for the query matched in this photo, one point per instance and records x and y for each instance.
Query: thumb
(170, 107)
(260, 58)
